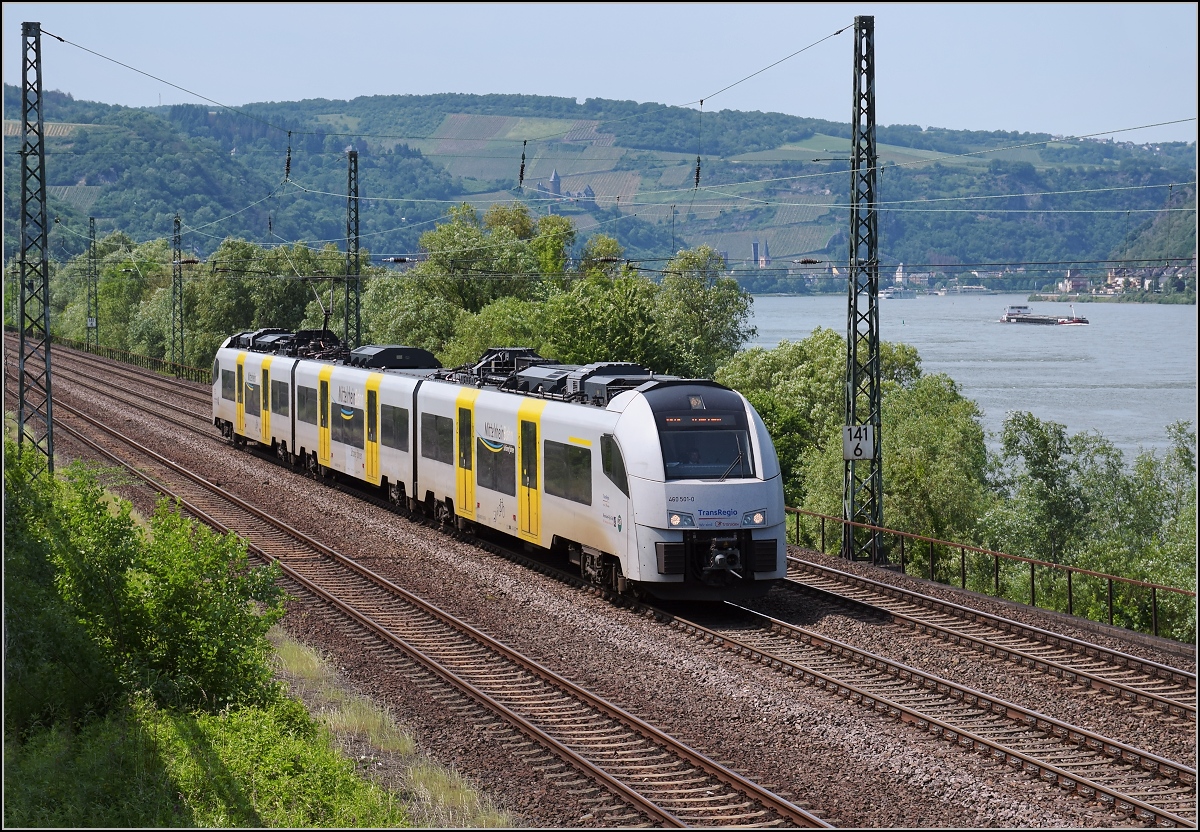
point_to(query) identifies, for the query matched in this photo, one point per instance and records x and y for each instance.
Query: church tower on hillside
(555, 183)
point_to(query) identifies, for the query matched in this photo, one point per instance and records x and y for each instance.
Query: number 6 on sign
(858, 442)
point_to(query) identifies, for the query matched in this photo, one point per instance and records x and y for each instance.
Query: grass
(145, 766)
(436, 797)
(275, 765)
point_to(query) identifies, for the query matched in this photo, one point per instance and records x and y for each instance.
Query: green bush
(53, 671)
(266, 766)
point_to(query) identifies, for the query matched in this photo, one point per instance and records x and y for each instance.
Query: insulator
(521, 180)
(697, 171)
(287, 165)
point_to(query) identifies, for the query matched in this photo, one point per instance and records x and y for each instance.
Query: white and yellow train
(649, 483)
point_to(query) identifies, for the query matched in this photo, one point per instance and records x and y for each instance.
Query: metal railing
(159, 365)
(1130, 598)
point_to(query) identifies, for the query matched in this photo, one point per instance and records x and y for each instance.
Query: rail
(992, 582)
(159, 365)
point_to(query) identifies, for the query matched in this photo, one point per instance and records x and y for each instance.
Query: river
(1128, 374)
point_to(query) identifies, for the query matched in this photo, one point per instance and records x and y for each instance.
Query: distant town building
(554, 189)
(765, 260)
(1074, 282)
(899, 279)
(754, 253)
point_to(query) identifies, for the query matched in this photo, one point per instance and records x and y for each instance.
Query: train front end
(707, 493)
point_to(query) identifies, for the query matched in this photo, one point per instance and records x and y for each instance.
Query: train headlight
(678, 519)
(755, 518)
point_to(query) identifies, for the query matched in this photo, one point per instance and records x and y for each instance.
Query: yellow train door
(241, 394)
(529, 500)
(372, 462)
(265, 403)
(464, 442)
(323, 403)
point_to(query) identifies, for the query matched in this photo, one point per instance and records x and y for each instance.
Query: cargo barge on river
(1025, 315)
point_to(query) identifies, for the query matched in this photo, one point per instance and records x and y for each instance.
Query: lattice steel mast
(93, 293)
(177, 295)
(353, 268)
(862, 492)
(35, 420)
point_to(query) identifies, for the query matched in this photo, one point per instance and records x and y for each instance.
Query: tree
(506, 322)
(603, 319)
(934, 459)
(934, 455)
(552, 245)
(703, 315)
(406, 310)
(797, 389)
(601, 257)
(514, 216)
(1043, 502)
(471, 267)
(53, 671)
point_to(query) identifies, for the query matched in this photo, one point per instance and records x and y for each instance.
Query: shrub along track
(618, 768)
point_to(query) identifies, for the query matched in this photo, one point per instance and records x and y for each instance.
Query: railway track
(1168, 691)
(195, 421)
(650, 776)
(166, 384)
(1119, 776)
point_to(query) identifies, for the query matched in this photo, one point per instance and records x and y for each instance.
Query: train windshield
(710, 453)
(704, 431)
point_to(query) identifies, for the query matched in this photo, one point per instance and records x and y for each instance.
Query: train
(650, 484)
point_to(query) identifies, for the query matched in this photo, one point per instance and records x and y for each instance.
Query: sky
(1069, 69)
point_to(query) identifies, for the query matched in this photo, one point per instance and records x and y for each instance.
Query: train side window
(216, 370)
(613, 462)
(464, 438)
(529, 473)
(306, 404)
(252, 399)
(228, 385)
(372, 416)
(437, 438)
(279, 397)
(496, 466)
(393, 427)
(347, 426)
(568, 472)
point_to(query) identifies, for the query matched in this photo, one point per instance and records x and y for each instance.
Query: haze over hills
(618, 167)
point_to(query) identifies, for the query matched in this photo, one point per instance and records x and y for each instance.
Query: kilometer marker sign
(858, 442)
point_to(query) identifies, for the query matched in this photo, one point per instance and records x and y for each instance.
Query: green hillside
(948, 197)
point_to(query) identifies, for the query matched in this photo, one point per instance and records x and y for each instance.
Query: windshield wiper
(736, 461)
